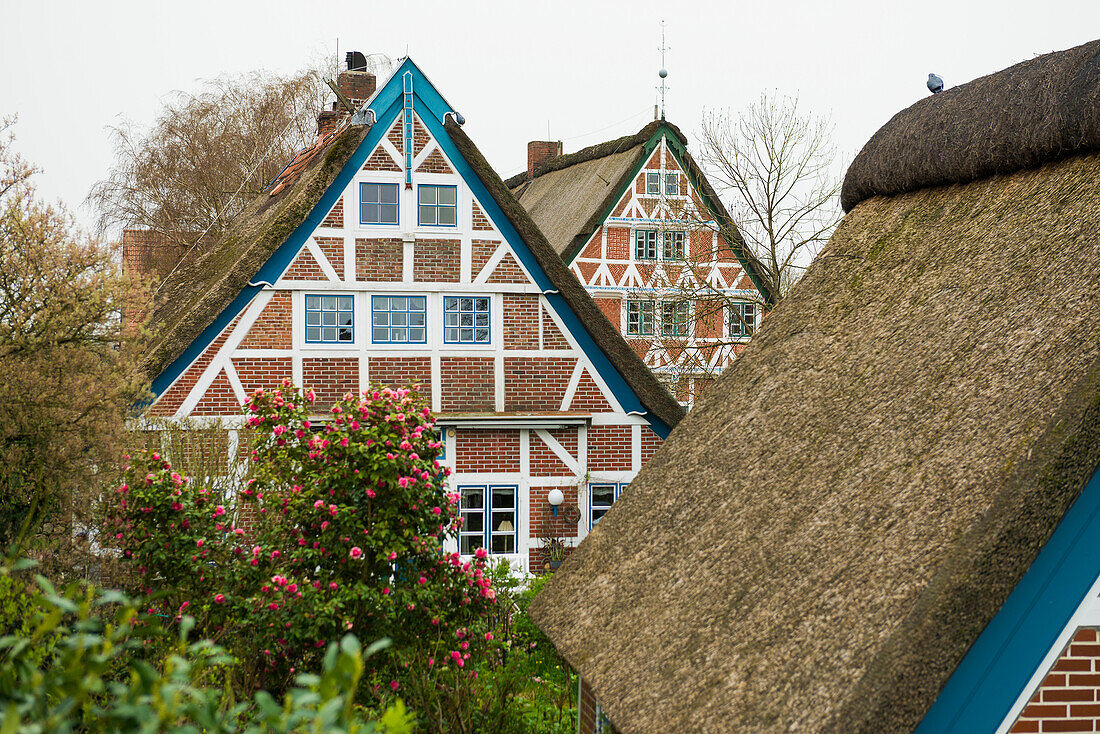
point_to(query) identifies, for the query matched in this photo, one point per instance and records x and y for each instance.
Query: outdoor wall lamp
(556, 498)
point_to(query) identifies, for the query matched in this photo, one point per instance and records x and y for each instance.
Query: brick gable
(521, 321)
(331, 378)
(335, 217)
(381, 160)
(379, 259)
(552, 338)
(481, 251)
(219, 398)
(171, 399)
(589, 397)
(305, 267)
(1068, 699)
(507, 271)
(272, 329)
(262, 372)
(536, 383)
(436, 261)
(480, 221)
(333, 249)
(434, 163)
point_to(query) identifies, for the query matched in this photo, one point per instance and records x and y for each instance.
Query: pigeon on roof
(935, 84)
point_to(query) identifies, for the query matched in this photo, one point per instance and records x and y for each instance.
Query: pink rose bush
(340, 528)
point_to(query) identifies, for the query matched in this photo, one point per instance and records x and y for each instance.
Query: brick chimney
(355, 83)
(149, 253)
(539, 152)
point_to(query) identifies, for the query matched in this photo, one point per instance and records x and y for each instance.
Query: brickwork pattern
(218, 398)
(621, 205)
(543, 522)
(544, 462)
(421, 138)
(507, 271)
(381, 160)
(333, 249)
(618, 243)
(670, 161)
(521, 321)
(379, 259)
(481, 251)
(1068, 699)
(533, 383)
(396, 133)
(305, 267)
(480, 221)
(272, 329)
(612, 309)
(335, 217)
(700, 243)
(434, 163)
(397, 372)
(172, 398)
(609, 448)
(649, 208)
(552, 338)
(486, 450)
(654, 161)
(467, 384)
(586, 272)
(589, 397)
(265, 372)
(436, 261)
(331, 378)
(592, 249)
(586, 710)
(650, 443)
(617, 270)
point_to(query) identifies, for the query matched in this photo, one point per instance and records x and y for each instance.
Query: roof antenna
(664, 70)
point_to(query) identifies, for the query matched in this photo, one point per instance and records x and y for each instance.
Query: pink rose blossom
(219, 598)
(356, 552)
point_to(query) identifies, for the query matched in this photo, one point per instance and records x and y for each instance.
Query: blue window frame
(378, 203)
(330, 319)
(489, 518)
(466, 320)
(601, 495)
(742, 319)
(437, 206)
(399, 319)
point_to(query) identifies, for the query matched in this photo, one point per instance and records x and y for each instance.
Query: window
(674, 318)
(377, 203)
(488, 519)
(399, 319)
(742, 319)
(466, 319)
(330, 319)
(673, 246)
(645, 244)
(438, 205)
(639, 318)
(600, 498)
(653, 183)
(672, 184)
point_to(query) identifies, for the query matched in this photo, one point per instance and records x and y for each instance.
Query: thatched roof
(212, 275)
(569, 196)
(818, 544)
(654, 396)
(1039, 110)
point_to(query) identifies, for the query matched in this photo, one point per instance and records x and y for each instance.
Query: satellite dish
(662, 73)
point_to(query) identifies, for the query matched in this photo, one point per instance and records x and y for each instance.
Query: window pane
(447, 216)
(388, 194)
(313, 333)
(313, 302)
(313, 318)
(450, 303)
(344, 302)
(466, 335)
(470, 543)
(345, 335)
(418, 303)
(482, 304)
(380, 334)
(398, 335)
(427, 195)
(466, 304)
(398, 318)
(398, 304)
(416, 318)
(503, 544)
(447, 195)
(473, 498)
(450, 335)
(328, 334)
(597, 514)
(387, 214)
(328, 303)
(427, 214)
(417, 335)
(603, 494)
(328, 318)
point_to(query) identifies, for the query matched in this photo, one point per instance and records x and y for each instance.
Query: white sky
(71, 69)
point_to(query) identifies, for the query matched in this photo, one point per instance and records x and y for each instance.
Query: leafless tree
(209, 153)
(774, 165)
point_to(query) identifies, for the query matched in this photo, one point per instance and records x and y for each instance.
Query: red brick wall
(265, 372)
(378, 259)
(380, 160)
(592, 249)
(586, 710)
(612, 309)
(436, 261)
(542, 518)
(480, 221)
(481, 251)
(1069, 697)
(521, 321)
(618, 243)
(335, 216)
(700, 243)
(331, 378)
(589, 397)
(218, 398)
(434, 163)
(485, 450)
(396, 134)
(544, 462)
(333, 247)
(507, 271)
(467, 384)
(420, 136)
(552, 338)
(272, 329)
(532, 383)
(305, 267)
(650, 443)
(609, 448)
(709, 317)
(401, 371)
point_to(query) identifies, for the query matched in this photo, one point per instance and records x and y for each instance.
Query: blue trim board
(432, 109)
(987, 682)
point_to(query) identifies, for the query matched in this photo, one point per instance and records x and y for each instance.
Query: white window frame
(487, 533)
(617, 488)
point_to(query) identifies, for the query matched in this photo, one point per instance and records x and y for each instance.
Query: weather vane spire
(663, 73)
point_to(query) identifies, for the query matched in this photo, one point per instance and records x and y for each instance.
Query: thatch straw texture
(818, 543)
(1043, 109)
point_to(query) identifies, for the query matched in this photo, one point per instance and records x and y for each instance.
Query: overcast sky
(588, 69)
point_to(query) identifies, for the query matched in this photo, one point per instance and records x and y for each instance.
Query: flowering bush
(341, 529)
